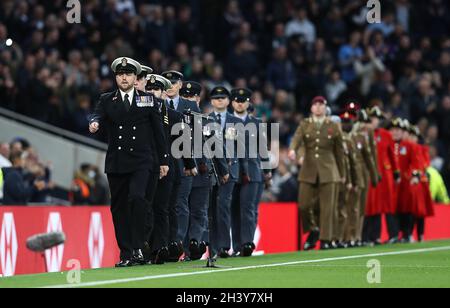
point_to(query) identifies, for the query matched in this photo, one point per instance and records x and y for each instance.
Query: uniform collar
(222, 114)
(130, 94)
(319, 120)
(242, 117)
(176, 101)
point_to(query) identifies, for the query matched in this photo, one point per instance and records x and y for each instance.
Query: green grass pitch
(401, 266)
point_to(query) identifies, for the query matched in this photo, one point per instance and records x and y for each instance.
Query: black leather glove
(397, 176)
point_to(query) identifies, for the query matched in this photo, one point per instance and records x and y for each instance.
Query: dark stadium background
(55, 71)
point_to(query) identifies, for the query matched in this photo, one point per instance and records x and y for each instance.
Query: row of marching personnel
(356, 168)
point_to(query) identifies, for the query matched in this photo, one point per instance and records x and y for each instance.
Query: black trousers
(151, 212)
(372, 228)
(160, 233)
(129, 209)
(173, 213)
(420, 223)
(392, 225)
(406, 223)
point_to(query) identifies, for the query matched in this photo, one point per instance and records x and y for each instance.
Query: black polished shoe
(311, 242)
(173, 252)
(342, 245)
(247, 250)
(146, 251)
(365, 244)
(334, 245)
(236, 254)
(160, 257)
(351, 244)
(194, 250)
(138, 258)
(203, 246)
(223, 253)
(392, 241)
(124, 263)
(197, 250)
(187, 259)
(325, 246)
(309, 246)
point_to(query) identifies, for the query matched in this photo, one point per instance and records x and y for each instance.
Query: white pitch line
(177, 275)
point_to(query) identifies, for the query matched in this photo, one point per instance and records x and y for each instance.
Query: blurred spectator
(387, 25)
(348, 55)
(425, 102)
(4, 155)
(280, 72)
(82, 185)
(54, 71)
(444, 119)
(285, 186)
(89, 187)
(301, 26)
(335, 87)
(432, 137)
(368, 71)
(100, 194)
(17, 190)
(80, 117)
(437, 187)
(437, 162)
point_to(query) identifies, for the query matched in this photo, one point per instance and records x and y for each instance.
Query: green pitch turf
(416, 265)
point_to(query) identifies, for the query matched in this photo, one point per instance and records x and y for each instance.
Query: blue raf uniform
(223, 194)
(247, 192)
(198, 235)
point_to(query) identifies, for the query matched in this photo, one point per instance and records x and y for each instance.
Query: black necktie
(127, 102)
(219, 119)
(171, 105)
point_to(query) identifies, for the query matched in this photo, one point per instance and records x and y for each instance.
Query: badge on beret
(169, 75)
(124, 62)
(152, 79)
(219, 90)
(241, 92)
(189, 86)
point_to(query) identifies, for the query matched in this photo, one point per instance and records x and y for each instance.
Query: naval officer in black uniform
(135, 138)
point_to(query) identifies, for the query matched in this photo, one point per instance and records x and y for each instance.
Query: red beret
(320, 100)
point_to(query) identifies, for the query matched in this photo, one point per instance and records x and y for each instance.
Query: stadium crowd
(24, 177)
(286, 51)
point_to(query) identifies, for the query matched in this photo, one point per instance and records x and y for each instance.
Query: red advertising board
(91, 241)
(89, 232)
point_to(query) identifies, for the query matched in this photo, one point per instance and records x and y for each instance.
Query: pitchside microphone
(42, 242)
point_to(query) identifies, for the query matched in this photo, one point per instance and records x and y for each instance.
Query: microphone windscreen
(42, 242)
